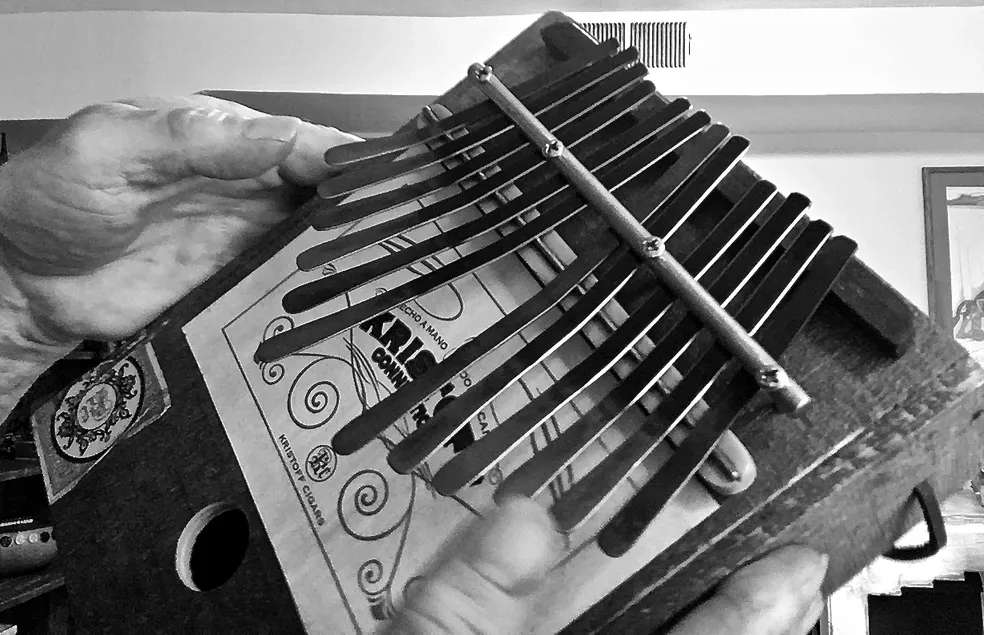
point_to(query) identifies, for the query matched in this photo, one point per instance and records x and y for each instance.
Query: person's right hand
(489, 585)
(777, 595)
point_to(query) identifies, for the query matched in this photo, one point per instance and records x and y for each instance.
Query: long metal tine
(408, 221)
(497, 136)
(521, 164)
(521, 160)
(553, 194)
(563, 205)
(697, 161)
(471, 463)
(343, 156)
(592, 490)
(533, 475)
(730, 468)
(423, 442)
(628, 524)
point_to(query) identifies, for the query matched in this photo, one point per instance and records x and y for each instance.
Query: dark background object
(949, 608)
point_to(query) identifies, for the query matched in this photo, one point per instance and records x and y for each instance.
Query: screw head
(654, 248)
(480, 72)
(772, 378)
(553, 149)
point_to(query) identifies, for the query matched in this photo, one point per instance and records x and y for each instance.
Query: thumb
(486, 585)
(214, 143)
(777, 595)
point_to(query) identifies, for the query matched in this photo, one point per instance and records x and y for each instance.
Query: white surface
(54, 63)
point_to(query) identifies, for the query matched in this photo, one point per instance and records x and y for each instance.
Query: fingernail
(519, 546)
(281, 129)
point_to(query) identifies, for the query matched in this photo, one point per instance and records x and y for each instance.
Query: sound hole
(212, 546)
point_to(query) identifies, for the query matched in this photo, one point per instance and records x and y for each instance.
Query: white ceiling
(445, 7)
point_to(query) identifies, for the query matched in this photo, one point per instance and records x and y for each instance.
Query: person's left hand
(127, 206)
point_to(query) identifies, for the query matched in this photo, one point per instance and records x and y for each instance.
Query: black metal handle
(934, 522)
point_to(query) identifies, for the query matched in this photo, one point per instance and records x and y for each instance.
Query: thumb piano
(554, 283)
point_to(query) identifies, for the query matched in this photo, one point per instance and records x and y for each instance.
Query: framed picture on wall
(954, 205)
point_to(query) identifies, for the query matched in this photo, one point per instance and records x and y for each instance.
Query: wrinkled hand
(488, 585)
(127, 206)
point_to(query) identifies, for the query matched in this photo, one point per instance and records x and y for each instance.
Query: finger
(304, 165)
(214, 143)
(485, 586)
(110, 143)
(776, 595)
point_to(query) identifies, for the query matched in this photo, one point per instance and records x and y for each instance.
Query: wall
(870, 188)
(866, 183)
(53, 63)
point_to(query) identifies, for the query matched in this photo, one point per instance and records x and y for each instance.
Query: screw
(654, 248)
(772, 378)
(481, 72)
(553, 148)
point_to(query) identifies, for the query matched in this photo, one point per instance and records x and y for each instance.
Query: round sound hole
(212, 547)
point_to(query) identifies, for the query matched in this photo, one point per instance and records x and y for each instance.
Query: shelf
(18, 589)
(12, 469)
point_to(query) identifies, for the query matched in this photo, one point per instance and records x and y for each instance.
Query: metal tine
(515, 168)
(500, 134)
(551, 194)
(730, 469)
(521, 159)
(318, 330)
(563, 205)
(678, 334)
(527, 161)
(597, 255)
(629, 523)
(533, 475)
(341, 156)
(426, 440)
(591, 491)
(371, 423)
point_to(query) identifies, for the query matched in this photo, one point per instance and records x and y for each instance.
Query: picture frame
(953, 201)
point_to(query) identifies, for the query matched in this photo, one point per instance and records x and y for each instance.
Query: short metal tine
(725, 284)
(533, 475)
(787, 395)
(592, 490)
(629, 523)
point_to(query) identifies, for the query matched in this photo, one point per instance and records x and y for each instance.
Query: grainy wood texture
(837, 476)
(11, 469)
(18, 589)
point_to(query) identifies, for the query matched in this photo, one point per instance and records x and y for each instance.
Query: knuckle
(86, 128)
(186, 122)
